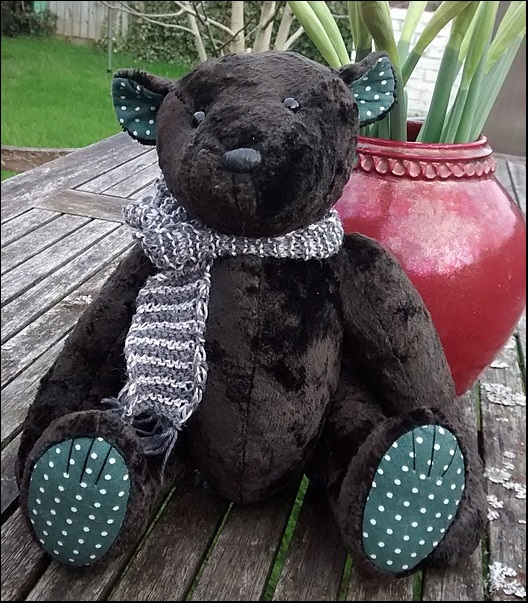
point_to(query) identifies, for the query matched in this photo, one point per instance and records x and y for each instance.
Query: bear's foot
(77, 500)
(413, 499)
(82, 491)
(411, 496)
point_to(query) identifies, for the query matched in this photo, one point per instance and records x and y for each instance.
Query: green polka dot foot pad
(413, 498)
(77, 499)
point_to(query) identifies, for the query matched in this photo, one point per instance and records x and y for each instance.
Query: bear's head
(256, 144)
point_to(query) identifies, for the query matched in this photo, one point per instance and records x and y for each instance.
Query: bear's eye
(291, 104)
(198, 117)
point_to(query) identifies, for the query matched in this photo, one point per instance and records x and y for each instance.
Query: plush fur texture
(314, 366)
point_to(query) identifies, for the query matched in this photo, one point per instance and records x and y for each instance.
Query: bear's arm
(91, 364)
(389, 335)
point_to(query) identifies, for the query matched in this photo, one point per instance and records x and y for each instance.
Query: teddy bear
(245, 330)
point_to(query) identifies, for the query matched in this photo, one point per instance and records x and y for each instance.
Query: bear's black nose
(241, 160)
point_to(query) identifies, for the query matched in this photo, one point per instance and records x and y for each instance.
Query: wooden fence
(85, 20)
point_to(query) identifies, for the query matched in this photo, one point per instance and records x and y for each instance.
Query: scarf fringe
(156, 432)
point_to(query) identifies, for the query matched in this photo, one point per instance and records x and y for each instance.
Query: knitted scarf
(165, 346)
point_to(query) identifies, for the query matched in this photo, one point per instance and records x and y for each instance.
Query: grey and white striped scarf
(165, 346)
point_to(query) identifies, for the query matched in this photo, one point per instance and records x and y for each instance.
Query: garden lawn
(57, 94)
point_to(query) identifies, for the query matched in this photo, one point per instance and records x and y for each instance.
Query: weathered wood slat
(521, 342)
(24, 224)
(168, 561)
(361, 588)
(38, 240)
(19, 394)
(131, 185)
(503, 176)
(504, 444)
(23, 561)
(30, 343)
(465, 581)
(316, 557)
(110, 178)
(518, 178)
(9, 490)
(20, 312)
(143, 192)
(241, 561)
(24, 191)
(93, 205)
(37, 268)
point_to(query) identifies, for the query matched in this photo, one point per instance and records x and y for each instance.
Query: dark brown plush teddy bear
(246, 329)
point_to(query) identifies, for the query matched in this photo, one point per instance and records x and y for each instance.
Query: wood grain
(503, 176)
(24, 191)
(464, 582)
(30, 343)
(105, 180)
(315, 559)
(92, 205)
(504, 446)
(137, 181)
(23, 561)
(143, 192)
(9, 490)
(241, 561)
(168, 561)
(25, 223)
(33, 303)
(19, 394)
(361, 588)
(518, 178)
(35, 269)
(38, 240)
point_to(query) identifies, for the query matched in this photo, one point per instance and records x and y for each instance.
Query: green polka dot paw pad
(413, 498)
(77, 499)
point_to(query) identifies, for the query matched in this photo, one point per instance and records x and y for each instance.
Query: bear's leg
(407, 494)
(85, 482)
(87, 487)
(91, 365)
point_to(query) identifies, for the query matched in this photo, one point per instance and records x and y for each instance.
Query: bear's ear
(137, 96)
(373, 84)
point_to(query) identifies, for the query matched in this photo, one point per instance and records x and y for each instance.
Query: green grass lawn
(57, 94)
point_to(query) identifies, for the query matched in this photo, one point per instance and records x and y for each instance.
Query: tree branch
(208, 20)
(148, 19)
(237, 24)
(198, 41)
(128, 9)
(204, 21)
(263, 37)
(295, 36)
(284, 28)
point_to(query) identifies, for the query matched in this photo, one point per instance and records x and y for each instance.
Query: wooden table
(62, 235)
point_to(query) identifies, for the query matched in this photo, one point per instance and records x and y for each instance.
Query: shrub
(19, 18)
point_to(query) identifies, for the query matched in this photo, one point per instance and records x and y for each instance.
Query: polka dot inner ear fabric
(78, 496)
(136, 108)
(374, 92)
(413, 499)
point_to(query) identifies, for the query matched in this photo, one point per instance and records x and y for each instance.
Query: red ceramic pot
(458, 234)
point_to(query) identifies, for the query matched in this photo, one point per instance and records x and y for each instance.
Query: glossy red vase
(457, 233)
